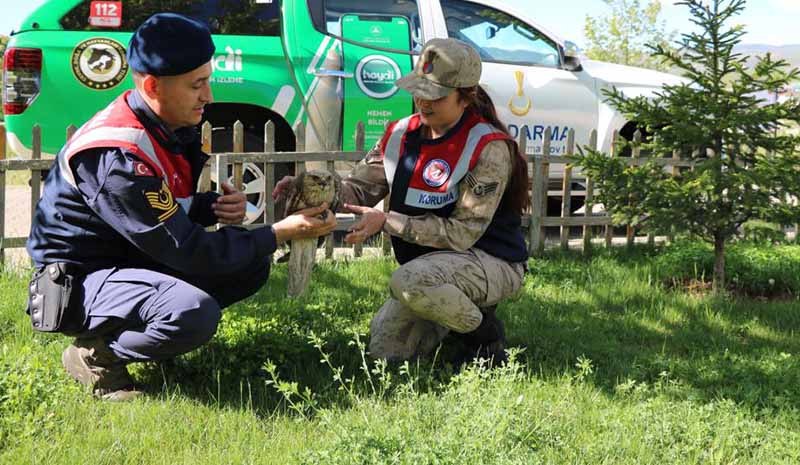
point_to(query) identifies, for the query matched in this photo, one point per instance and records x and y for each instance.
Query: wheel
(253, 177)
(253, 181)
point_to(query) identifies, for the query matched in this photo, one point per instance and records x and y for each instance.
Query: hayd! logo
(376, 75)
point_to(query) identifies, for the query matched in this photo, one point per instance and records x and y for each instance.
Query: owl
(309, 189)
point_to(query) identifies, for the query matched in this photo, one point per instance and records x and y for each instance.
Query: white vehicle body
(560, 98)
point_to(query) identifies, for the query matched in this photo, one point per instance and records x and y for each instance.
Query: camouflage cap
(443, 66)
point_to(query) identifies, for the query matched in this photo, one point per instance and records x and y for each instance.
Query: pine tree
(746, 166)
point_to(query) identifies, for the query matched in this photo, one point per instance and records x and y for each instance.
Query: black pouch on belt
(48, 298)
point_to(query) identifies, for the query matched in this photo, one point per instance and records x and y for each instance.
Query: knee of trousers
(198, 325)
(405, 284)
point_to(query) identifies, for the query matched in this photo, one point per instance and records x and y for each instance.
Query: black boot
(487, 341)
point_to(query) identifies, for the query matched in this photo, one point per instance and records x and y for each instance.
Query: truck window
(231, 17)
(497, 36)
(334, 9)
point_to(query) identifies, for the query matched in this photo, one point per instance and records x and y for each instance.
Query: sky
(772, 22)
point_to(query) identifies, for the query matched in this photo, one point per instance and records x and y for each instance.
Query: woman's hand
(282, 188)
(371, 222)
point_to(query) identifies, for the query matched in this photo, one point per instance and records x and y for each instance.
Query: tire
(253, 177)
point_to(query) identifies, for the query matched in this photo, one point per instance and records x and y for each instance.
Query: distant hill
(790, 53)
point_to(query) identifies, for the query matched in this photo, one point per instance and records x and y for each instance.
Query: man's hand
(282, 188)
(231, 207)
(371, 222)
(305, 224)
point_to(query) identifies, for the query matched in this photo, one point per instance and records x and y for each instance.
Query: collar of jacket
(175, 141)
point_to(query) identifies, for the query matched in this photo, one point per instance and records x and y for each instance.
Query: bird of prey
(309, 189)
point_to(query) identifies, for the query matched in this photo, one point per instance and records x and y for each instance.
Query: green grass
(615, 366)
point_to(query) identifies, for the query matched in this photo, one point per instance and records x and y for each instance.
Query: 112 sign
(105, 14)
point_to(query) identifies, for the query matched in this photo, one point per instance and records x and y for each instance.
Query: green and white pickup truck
(326, 63)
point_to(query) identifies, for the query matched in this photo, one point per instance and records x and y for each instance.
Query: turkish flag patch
(141, 169)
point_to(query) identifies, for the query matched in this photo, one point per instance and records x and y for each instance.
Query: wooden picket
(588, 200)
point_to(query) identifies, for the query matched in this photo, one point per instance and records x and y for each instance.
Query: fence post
(222, 172)
(269, 173)
(331, 165)
(587, 204)
(2, 196)
(2, 141)
(566, 191)
(204, 184)
(358, 249)
(238, 147)
(535, 227)
(205, 175)
(630, 234)
(36, 175)
(385, 237)
(539, 195)
(674, 171)
(300, 146)
(651, 235)
(610, 226)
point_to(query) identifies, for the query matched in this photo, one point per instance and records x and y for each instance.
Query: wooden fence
(535, 222)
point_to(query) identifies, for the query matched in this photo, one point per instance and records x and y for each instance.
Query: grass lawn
(613, 367)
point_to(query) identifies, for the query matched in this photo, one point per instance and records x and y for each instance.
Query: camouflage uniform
(445, 290)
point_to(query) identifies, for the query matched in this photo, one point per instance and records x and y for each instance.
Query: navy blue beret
(168, 44)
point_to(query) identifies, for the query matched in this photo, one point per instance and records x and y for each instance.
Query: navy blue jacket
(107, 220)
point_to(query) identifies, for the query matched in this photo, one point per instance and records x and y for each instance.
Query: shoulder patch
(481, 188)
(141, 169)
(162, 202)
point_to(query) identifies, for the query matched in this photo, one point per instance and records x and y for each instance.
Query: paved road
(18, 221)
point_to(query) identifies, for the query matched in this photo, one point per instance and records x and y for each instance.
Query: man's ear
(151, 86)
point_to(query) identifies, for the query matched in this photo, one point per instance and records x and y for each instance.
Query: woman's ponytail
(517, 189)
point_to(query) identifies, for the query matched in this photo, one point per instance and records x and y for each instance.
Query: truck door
(325, 41)
(371, 95)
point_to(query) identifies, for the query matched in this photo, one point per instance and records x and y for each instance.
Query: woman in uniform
(458, 187)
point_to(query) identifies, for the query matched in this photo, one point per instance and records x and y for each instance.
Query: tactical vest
(118, 126)
(425, 179)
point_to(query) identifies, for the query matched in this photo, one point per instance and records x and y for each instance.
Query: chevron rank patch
(481, 188)
(162, 202)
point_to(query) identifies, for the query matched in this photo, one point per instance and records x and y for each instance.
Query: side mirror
(491, 31)
(572, 61)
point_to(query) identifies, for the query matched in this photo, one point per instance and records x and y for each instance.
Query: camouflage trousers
(437, 293)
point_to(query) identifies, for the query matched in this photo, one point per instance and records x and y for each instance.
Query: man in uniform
(123, 259)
